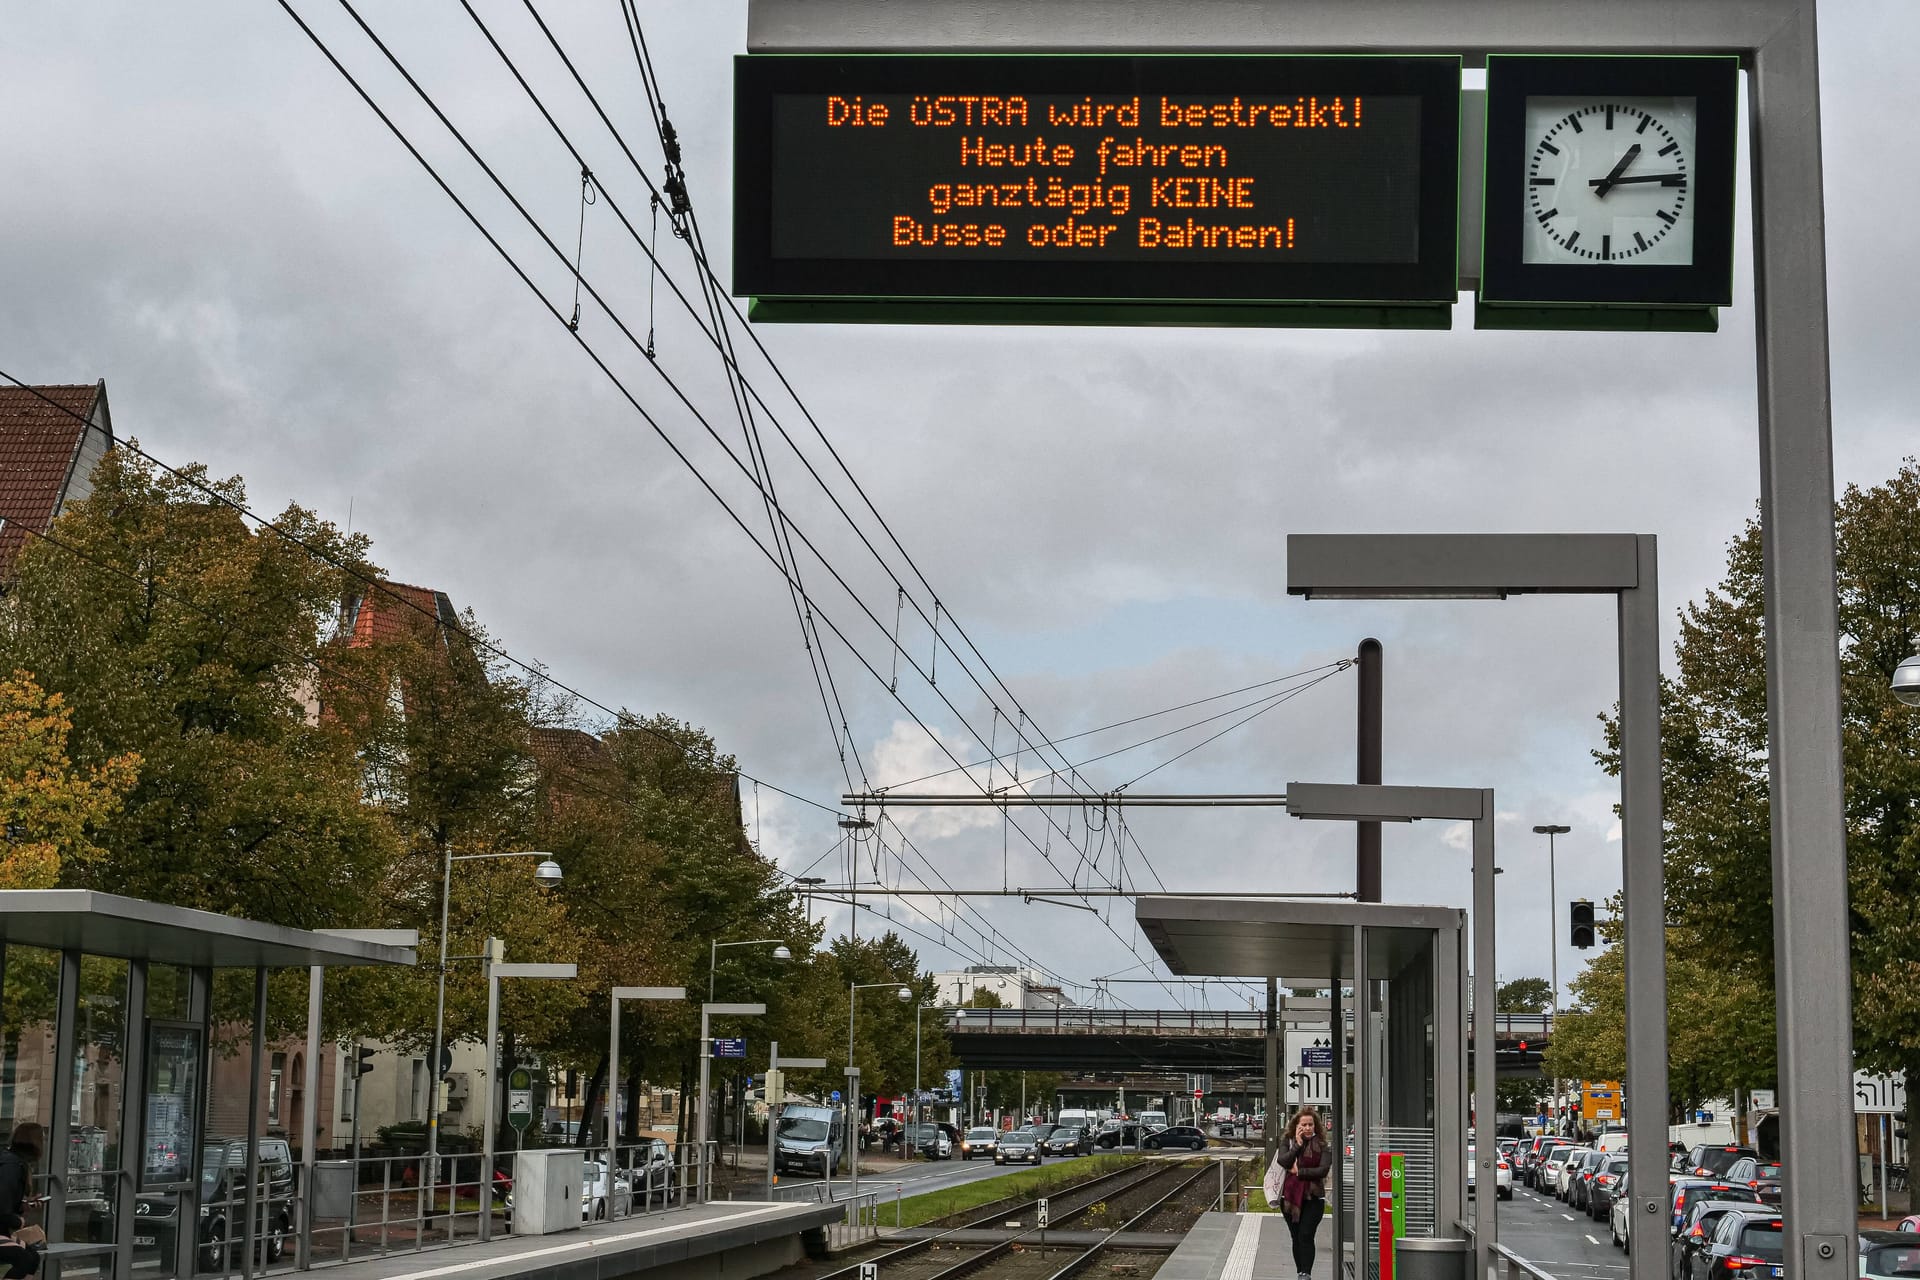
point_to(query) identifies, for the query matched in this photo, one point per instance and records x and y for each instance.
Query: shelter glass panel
(29, 990)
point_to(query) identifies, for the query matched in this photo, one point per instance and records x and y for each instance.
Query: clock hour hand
(1664, 179)
(1603, 185)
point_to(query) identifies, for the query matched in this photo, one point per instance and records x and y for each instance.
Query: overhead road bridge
(1177, 1039)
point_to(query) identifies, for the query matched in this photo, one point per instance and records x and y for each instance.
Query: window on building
(276, 1082)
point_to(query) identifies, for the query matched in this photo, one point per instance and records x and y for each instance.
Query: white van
(1612, 1138)
(1153, 1121)
(1077, 1118)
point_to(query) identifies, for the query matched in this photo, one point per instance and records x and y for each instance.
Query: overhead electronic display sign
(1000, 186)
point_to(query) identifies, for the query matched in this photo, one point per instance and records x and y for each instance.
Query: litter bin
(1431, 1258)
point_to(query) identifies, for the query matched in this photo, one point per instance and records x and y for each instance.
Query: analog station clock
(1609, 183)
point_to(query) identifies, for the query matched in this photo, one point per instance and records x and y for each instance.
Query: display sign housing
(1125, 188)
(1608, 197)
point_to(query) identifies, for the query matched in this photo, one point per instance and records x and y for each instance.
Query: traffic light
(573, 1083)
(1581, 933)
(363, 1059)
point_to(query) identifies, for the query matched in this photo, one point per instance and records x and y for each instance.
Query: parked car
(1890, 1255)
(1746, 1245)
(1605, 1186)
(1578, 1171)
(650, 1172)
(981, 1140)
(1909, 1223)
(1715, 1159)
(1620, 1216)
(1686, 1190)
(1689, 1249)
(1042, 1129)
(928, 1140)
(604, 1193)
(1021, 1146)
(1502, 1175)
(1070, 1141)
(1178, 1135)
(1549, 1177)
(1762, 1177)
(1115, 1134)
(223, 1196)
(809, 1139)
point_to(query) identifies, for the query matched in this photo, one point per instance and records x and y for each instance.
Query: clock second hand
(1603, 185)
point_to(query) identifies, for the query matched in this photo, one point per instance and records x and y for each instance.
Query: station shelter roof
(1303, 943)
(105, 924)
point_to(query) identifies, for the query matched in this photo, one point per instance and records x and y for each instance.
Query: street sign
(1761, 1099)
(1317, 1057)
(1041, 1211)
(729, 1048)
(989, 186)
(836, 1095)
(520, 1098)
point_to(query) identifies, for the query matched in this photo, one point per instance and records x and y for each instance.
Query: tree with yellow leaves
(49, 809)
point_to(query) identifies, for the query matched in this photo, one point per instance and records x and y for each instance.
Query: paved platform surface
(1242, 1246)
(604, 1250)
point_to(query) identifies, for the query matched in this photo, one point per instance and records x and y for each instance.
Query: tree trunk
(590, 1111)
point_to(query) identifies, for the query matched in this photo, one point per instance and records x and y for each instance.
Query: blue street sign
(736, 1048)
(1317, 1057)
(836, 1095)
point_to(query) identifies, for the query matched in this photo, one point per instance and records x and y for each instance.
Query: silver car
(1022, 1146)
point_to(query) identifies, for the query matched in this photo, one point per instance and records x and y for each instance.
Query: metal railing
(1177, 1022)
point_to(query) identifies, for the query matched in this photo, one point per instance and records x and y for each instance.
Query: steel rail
(920, 1246)
(1085, 1260)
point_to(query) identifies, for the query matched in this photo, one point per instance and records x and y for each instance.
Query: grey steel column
(1643, 896)
(1811, 969)
(59, 1125)
(199, 1003)
(1275, 1108)
(1449, 1081)
(490, 1068)
(310, 1115)
(1486, 1214)
(706, 1062)
(613, 1074)
(1363, 1235)
(133, 1137)
(1366, 835)
(248, 1235)
(1336, 1178)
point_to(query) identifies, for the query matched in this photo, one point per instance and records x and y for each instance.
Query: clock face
(1609, 181)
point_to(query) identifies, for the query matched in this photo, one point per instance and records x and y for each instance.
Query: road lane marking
(1567, 1216)
(1591, 1240)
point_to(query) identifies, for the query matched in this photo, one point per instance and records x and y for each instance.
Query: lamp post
(1553, 940)
(548, 872)
(917, 1011)
(707, 1011)
(781, 953)
(613, 1052)
(1906, 680)
(496, 971)
(903, 993)
(1625, 566)
(1358, 802)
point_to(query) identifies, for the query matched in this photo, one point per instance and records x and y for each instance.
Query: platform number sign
(1042, 1211)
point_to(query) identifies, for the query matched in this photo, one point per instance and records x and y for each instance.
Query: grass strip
(1021, 1187)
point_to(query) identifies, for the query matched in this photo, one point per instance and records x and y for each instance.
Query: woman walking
(1303, 1153)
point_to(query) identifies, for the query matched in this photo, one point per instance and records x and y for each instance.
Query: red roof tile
(394, 611)
(39, 443)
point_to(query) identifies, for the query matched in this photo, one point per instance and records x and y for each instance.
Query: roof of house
(41, 432)
(395, 611)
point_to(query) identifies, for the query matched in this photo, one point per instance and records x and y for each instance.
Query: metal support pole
(133, 1096)
(489, 1069)
(309, 1116)
(1275, 1108)
(1337, 1023)
(199, 1002)
(249, 1233)
(613, 1070)
(1486, 1220)
(773, 1065)
(1366, 835)
(1644, 903)
(1362, 1105)
(700, 1126)
(53, 1217)
(439, 1042)
(1449, 1074)
(1553, 942)
(917, 1011)
(1811, 962)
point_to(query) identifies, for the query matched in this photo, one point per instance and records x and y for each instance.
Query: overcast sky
(198, 209)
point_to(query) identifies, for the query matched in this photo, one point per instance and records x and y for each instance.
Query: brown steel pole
(1367, 834)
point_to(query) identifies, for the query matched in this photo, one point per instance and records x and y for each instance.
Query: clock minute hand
(1664, 179)
(1603, 185)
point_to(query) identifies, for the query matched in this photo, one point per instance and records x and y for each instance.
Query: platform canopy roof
(105, 924)
(1302, 943)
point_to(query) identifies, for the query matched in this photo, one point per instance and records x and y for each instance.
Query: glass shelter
(117, 1017)
(1394, 983)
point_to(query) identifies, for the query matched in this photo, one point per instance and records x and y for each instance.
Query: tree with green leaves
(1525, 995)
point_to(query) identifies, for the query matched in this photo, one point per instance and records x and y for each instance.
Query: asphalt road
(911, 1179)
(1561, 1241)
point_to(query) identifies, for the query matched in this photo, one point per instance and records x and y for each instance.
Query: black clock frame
(1713, 83)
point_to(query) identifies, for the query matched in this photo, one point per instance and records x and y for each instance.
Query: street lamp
(917, 1011)
(780, 952)
(548, 872)
(613, 1051)
(901, 993)
(1370, 802)
(1550, 830)
(706, 1061)
(1625, 566)
(1906, 681)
